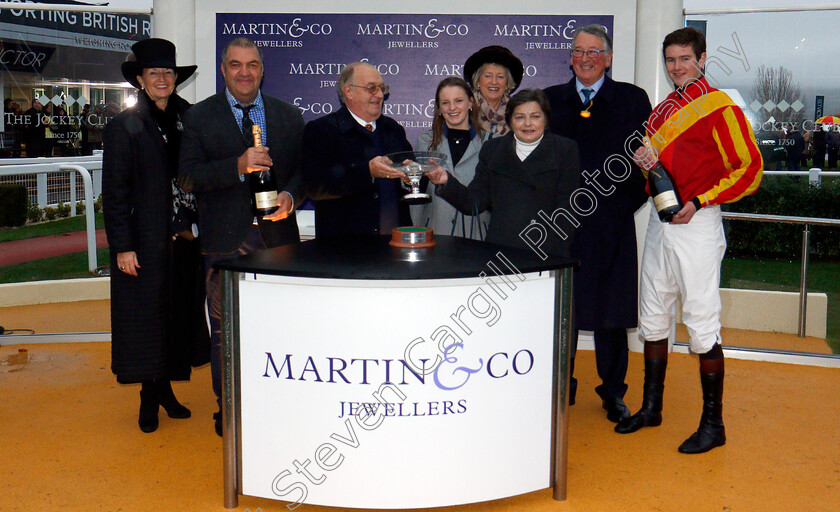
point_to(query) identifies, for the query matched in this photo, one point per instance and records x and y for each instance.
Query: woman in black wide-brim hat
(494, 73)
(157, 320)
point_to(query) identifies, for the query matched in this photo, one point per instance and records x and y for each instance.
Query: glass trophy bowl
(414, 164)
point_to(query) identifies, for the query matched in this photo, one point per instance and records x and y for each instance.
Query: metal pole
(230, 387)
(41, 188)
(803, 279)
(72, 178)
(90, 216)
(562, 351)
(814, 177)
(556, 381)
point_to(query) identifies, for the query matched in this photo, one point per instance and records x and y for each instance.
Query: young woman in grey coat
(456, 132)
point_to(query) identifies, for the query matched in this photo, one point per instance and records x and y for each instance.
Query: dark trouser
(795, 163)
(252, 243)
(819, 158)
(610, 360)
(832, 158)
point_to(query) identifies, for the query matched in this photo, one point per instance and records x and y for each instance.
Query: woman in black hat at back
(494, 73)
(157, 321)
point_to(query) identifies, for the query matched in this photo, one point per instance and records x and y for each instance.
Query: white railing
(806, 222)
(814, 175)
(41, 195)
(82, 165)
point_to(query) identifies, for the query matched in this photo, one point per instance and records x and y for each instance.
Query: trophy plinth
(412, 237)
(414, 164)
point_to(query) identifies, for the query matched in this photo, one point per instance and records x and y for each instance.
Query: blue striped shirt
(257, 114)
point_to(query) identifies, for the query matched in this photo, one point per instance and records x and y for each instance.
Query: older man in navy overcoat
(601, 115)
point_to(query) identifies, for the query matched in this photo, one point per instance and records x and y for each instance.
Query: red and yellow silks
(707, 144)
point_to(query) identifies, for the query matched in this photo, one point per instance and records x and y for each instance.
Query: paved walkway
(71, 442)
(47, 246)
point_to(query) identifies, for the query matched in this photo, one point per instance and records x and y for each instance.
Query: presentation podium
(356, 374)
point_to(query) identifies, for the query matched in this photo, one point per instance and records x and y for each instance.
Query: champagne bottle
(263, 185)
(664, 192)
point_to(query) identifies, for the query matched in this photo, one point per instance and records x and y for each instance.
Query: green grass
(740, 273)
(784, 276)
(53, 227)
(67, 266)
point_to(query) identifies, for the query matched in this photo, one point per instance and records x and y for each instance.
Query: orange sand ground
(81, 316)
(94, 316)
(70, 441)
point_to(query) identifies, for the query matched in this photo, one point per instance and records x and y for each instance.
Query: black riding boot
(650, 415)
(711, 432)
(167, 399)
(148, 419)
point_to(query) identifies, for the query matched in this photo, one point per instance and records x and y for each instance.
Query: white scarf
(523, 149)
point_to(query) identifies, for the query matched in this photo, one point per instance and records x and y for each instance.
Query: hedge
(788, 196)
(13, 205)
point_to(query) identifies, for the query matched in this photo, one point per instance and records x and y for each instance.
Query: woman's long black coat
(517, 191)
(157, 324)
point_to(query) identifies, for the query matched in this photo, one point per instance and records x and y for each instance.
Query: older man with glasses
(356, 192)
(601, 114)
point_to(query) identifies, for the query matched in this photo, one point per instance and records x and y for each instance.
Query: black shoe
(167, 399)
(650, 415)
(707, 437)
(148, 419)
(616, 409)
(217, 418)
(710, 433)
(572, 384)
(641, 419)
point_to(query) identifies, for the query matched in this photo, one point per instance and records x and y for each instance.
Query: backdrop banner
(304, 53)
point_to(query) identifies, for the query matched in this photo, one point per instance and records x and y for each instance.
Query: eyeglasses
(371, 89)
(593, 54)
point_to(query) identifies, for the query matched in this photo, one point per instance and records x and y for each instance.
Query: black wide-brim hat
(153, 53)
(494, 55)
